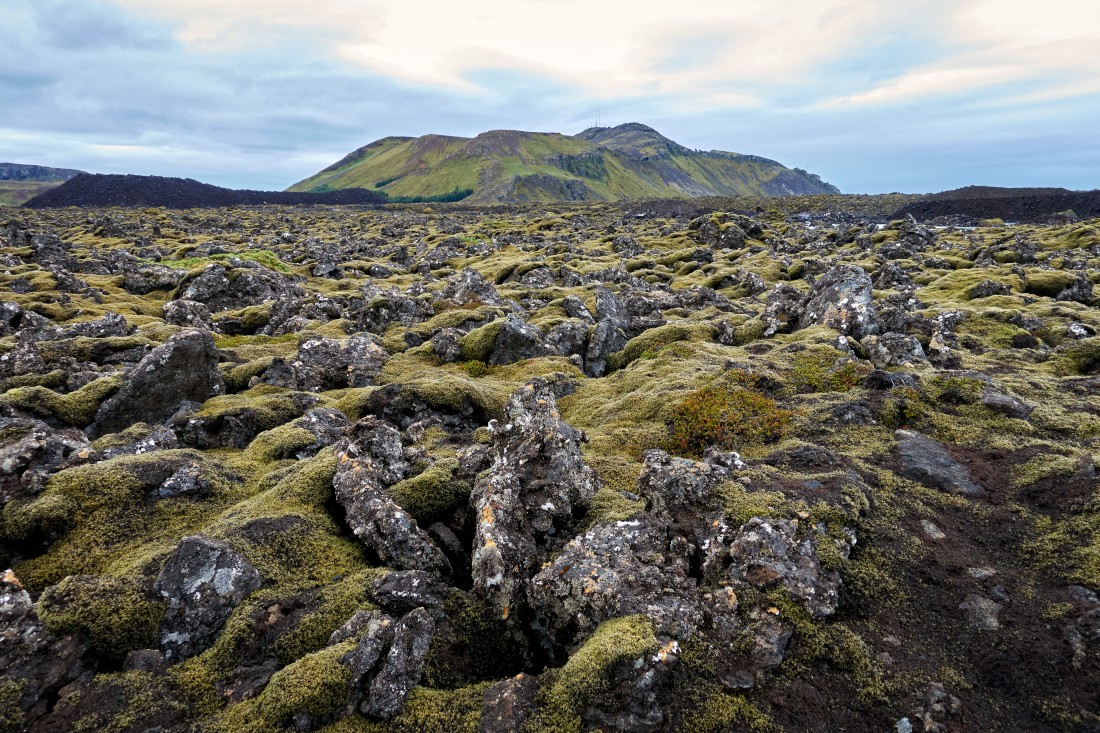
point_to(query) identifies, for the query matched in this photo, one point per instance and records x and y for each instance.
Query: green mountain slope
(631, 161)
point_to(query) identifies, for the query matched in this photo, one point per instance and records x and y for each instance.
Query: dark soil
(88, 189)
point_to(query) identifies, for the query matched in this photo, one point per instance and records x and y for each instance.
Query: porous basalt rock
(323, 364)
(529, 492)
(202, 582)
(367, 464)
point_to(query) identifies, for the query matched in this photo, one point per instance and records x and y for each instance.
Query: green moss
(834, 644)
(741, 505)
(589, 673)
(719, 711)
(1043, 467)
(76, 408)
(86, 348)
(132, 434)
(316, 684)
(1081, 358)
(903, 407)
(115, 615)
(650, 342)
(280, 443)
(354, 403)
(478, 344)
(265, 257)
(338, 602)
(251, 318)
(53, 379)
(237, 378)
(817, 370)
(955, 390)
(222, 341)
(433, 493)
(99, 513)
(268, 407)
(441, 711)
(11, 715)
(1048, 282)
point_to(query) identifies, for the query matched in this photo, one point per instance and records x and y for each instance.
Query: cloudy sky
(874, 96)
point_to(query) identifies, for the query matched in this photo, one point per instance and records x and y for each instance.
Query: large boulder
(202, 582)
(617, 569)
(841, 299)
(32, 453)
(236, 284)
(184, 368)
(34, 663)
(323, 364)
(609, 333)
(517, 340)
(768, 552)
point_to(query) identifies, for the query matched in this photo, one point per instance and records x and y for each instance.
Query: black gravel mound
(89, 189)
(1011, 204)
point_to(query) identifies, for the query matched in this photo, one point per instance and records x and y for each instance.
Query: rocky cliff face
(35, 173)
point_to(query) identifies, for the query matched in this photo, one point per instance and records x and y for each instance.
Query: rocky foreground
(546, 470)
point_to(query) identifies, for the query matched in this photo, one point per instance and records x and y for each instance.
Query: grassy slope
(490, 163)
(14, 193)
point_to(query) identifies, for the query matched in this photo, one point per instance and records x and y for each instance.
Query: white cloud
(1055, 44)
(609, 48)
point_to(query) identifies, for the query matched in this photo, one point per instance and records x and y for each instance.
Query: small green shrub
(724, 417)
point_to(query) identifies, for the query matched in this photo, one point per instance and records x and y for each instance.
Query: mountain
(89, 189)
(631, 161)
(20, 182)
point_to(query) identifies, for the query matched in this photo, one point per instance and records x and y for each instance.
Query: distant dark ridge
(35, 173)
(1010, 204)
(181, 193)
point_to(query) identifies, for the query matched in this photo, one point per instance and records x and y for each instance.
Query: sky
(916, 96)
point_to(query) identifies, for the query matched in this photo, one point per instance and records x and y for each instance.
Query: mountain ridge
(628, 161)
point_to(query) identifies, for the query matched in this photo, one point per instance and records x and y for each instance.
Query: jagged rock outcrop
(536, 479)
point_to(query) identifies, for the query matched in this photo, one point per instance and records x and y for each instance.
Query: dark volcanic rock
(185, 368)
(202, 583)
(928, 462)
(508, 704)
(367, 466)
(33, 663)
(403, 666)
(536, 478)
(841, 299)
